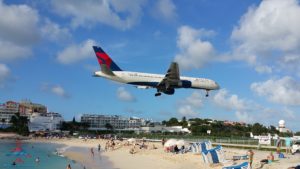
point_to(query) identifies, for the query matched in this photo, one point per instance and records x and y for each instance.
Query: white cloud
(57, 90)
(243, 116)
(133, 111)
(125, 95)
(249, 111)
(18, 30)
(4, 75)
(263, 69)
(195, 100)
(242, 107)
(10, 51)
(55, 32)
(165, 9)
(268, 32)
(187, 110)
(290, 62)
(231, 102)
(75, 53)
(18, 24)
(194, 52)
(119, 14)
(285, 91)
(188, 106)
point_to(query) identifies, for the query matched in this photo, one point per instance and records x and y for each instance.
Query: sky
(250, 47)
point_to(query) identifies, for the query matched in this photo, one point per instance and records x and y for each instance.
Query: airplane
(163, 83)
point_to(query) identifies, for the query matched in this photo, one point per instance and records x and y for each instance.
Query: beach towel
(241, 166)
(242, 157)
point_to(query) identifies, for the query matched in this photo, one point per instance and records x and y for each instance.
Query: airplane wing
(172, 78)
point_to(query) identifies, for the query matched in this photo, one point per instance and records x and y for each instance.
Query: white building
(45, 122)
(7, 110)
(99, 122)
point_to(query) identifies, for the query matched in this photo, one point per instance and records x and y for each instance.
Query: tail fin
(106, 63)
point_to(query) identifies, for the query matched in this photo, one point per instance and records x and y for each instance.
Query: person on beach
(250, 153)
(278, 142)
(163, 141)
(106, 147)
(92, 152)
(113, 145)
(288, 141)
(99, 147)
(132, 150)
(69, 166)
(270, 157)
(176, 149)
(182, 150)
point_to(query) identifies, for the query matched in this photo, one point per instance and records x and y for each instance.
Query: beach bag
(280, 155)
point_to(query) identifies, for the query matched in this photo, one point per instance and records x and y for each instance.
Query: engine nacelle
(169, 91)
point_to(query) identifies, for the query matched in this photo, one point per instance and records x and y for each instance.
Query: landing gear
(207, 94)
(157, 94)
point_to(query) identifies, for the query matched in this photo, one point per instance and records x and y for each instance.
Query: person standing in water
(37, 160)
(92, 152)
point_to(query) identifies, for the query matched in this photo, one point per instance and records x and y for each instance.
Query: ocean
(24, 155)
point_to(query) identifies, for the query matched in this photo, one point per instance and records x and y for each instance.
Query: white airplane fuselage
(164, 83)
(147, 80)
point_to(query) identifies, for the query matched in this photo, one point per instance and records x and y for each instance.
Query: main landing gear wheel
(207, 93)
(157, 94)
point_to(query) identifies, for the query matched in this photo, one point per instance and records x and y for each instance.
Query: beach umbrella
(131, 140)
(180, 143)
(170, 142)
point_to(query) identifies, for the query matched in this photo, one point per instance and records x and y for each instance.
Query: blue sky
(251, 48)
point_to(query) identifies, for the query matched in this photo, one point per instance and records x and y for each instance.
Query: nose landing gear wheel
(157, 94)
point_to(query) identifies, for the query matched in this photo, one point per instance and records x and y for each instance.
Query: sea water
(48, 158)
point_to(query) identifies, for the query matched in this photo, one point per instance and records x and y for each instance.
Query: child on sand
(270, 158)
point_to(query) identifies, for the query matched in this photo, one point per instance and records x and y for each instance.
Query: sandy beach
(8, 135)
(154, 158)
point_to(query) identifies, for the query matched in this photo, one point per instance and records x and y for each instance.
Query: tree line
(200, 127)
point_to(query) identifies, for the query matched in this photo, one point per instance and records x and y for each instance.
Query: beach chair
(244, 165)
(194, 148)
(214, 156)
(198, 147)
